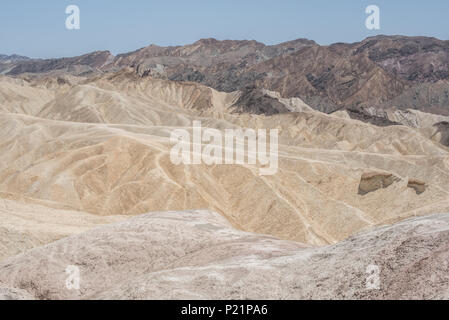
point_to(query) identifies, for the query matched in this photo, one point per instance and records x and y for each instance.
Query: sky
(38, 28)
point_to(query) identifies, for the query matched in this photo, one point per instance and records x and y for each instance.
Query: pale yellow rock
(102, 146)
(77, 154)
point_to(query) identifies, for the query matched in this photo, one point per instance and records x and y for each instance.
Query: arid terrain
(86, 177)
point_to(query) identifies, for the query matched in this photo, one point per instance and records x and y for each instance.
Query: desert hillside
(86, 176)
(102, 146)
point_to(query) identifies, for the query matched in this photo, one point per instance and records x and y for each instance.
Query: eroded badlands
(79, 157)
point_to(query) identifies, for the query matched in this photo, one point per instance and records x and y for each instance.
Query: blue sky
(37, 28)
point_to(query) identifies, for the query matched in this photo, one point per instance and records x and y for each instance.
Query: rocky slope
(380, 72)
(198, 255)
(372, 72)
(83, 65)
(102, 146)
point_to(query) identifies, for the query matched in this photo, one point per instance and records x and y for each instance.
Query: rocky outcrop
(360, 114)
(417, 185)
(442, 132)
(374, 181)
(253, 100)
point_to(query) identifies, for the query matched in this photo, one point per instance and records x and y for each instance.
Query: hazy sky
(37, 28)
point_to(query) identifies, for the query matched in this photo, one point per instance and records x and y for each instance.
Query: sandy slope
(198, 255)
(112, 158)
(108, 170)
(79, 153)
(18, 96)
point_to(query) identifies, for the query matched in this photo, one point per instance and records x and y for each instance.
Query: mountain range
(381, 72)
(86, 177)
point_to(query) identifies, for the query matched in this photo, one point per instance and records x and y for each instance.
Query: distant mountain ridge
(379, 72)
(78, 65)
(12, 58)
